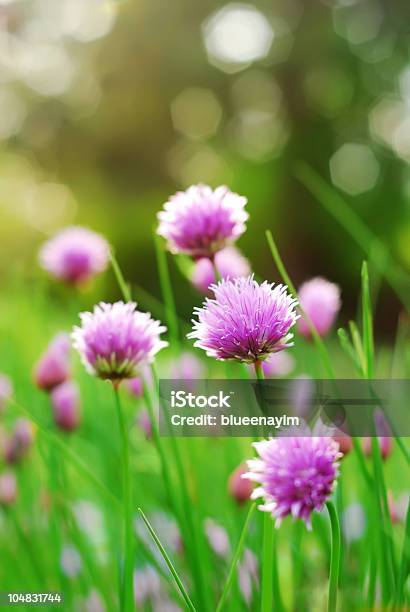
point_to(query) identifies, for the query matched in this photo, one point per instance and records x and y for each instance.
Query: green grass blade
(334, 557)
(69, 454)
(123, 285)
(358, 346)
(357, 229)
(267, 564)
(405, 560)
(367, 322)
(187, 514)
(287, 280)
(236, 557)
(168, 561)
(348, 348)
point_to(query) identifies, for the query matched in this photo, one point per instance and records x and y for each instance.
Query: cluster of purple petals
(229, 263)
(74, 255)
(200, 221)
(53, 375)
(320, 300)
(115, 340)
(245, 321)
(6, 391)
(53, 367)
(19, 443)
(66, 405)
(296, 475)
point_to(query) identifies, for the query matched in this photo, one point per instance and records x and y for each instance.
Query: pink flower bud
(144, 422)
(345, 443)
(277, 365)
(61, 344)
(8, 488)
(230, 263)
(394, 516)
(385, 444)
(75, 255)
(239, 488)
(6, 391)
(320, 300)
(65, 401)
(18, 445)
(53, 367)
(52, 370)
(218, 538)
(135, 386)
(187, 367)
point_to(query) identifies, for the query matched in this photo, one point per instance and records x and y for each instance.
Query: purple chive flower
(200, 222)
(248, 575)
(230, 263)
(70, 562)
(115, 340)
(143, 421)
(245, 321)
(94, 602)
(187, 367)
(218, 538)
(8, 488)
(61, 344)
(320, 300)
(53, 368)
(6, 391)
(135, 386)
(147, 584)
(277, 364)
(65, 401)
(75, 255)
(20, 441)
(296, 475)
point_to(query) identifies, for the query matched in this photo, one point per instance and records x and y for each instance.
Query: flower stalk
(334, 557)
(126, 597)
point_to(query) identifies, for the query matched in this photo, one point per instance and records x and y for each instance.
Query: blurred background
(109, 107)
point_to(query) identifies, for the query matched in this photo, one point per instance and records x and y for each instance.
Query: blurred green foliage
(107, 108)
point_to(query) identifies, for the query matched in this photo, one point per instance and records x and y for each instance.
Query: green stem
(367, 322)
(178, 581)
(128, 549)
(334, 557)
(267, 564)
(236, 557)
(124, 287)
(216, 271)
(405, 560)
(260, 375)
(297, 563)
(386, 536)
(277, 599)
(270, 582)
(187, 514)
(371, 589)
(167, 293)
(161, 451)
